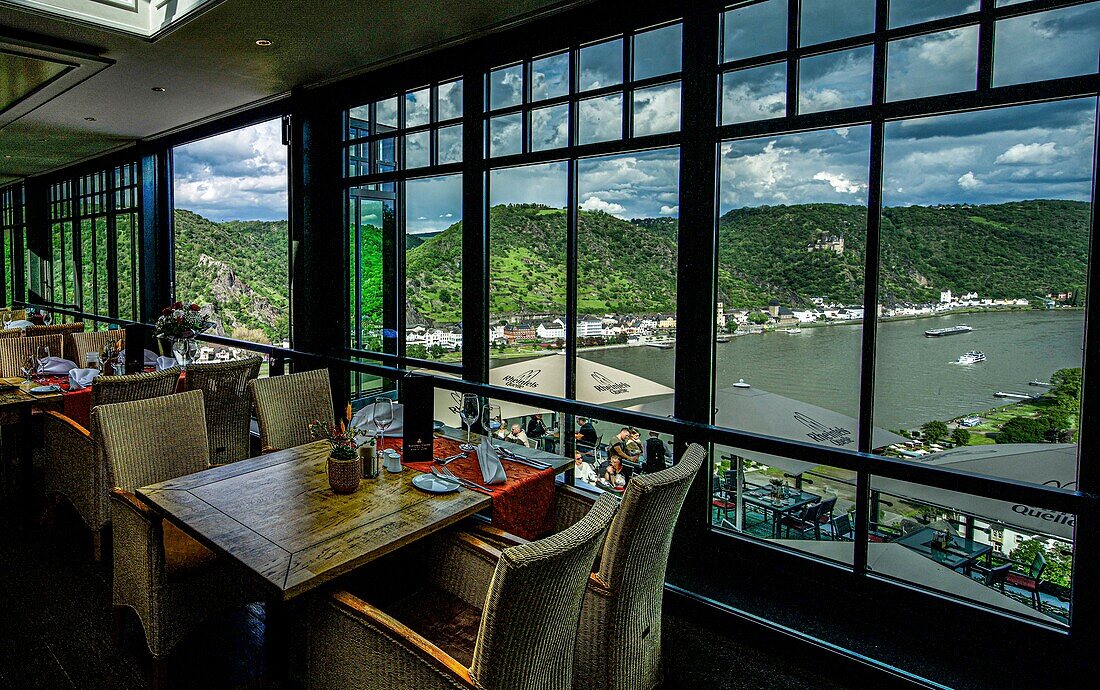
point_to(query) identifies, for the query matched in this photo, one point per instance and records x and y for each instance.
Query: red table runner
(523, 505)
(77, 405)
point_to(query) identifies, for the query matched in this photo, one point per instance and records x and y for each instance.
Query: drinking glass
(30, 367)
(47, 318)
(470, 413)
(383, 417)
(7, 320)
(490, 420)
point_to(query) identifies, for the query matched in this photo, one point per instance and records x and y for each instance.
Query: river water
(916, 379)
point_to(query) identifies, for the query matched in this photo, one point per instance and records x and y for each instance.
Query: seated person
(516, 435)
(535, 427)
(582, 470)
(614, 474)
(586, 435)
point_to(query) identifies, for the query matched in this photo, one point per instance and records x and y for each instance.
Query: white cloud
(1031, 154)
(594, 203)
(670, 210)
(840, 183)
(968, 181)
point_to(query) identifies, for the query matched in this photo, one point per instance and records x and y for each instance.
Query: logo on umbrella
(836, 435)
(524, 380)
(606, 385)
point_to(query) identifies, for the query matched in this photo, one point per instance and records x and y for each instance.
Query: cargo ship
(950, 330)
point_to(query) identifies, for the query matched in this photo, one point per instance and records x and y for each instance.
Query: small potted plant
(777, 488)
(180, 325)
(344, 466)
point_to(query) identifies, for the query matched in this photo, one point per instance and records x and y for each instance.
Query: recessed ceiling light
(263, 42)
(90, 119)
(159, 89)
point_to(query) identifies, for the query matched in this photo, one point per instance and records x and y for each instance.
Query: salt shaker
(369, 458)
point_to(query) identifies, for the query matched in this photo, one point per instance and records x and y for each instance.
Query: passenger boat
(972, 357)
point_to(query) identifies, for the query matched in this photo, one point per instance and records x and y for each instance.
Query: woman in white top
(583, 471)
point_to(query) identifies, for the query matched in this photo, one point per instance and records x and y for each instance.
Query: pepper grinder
(369, 459)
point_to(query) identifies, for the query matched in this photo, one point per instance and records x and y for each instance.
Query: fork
(451, 474)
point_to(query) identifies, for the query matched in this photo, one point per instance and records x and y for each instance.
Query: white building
(589, 328)
(551, 330)
(945, 297)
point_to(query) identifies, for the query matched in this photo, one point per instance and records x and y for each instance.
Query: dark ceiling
(211, 65)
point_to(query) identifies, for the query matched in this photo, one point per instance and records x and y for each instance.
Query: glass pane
(371, 221)
(386, 114)
(527, 211)
(831, 20)
(102, 280)
(433, 268)
(550, 77)
(835, 80)
(601, 65)
(506, 87)
(449, 144)
(86, 275)
(980, 342)
(657, 110)
(657, 52)
(609, 454)
(549, 127)
(359, 122)
(627, 219)
(418, 149)
(230, 220)
(934, 64)
(385, 154)
(1048, 45)
(506, 135)
(418, 107)
(600, 119)
(756, 29)
(124, 226)
(759, 93)
(906, 12)
(449, 100)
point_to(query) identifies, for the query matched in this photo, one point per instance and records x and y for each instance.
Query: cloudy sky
(1024, 152)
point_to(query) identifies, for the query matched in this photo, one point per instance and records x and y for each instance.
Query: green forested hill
(1022, 249)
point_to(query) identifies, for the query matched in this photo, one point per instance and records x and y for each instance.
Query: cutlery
(450, 458)
(469, 482)
(530, 462)
(460, 481)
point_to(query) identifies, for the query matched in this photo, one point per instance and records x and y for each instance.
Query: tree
(934, 430)
(418, 351)
(1023, 430)
(436, 351)
(1059, 562)
(1066, 388)
(759, 317)
(960, 437)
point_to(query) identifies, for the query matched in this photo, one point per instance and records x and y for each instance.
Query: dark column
(475, 236)
(155, 240)
(36, 234)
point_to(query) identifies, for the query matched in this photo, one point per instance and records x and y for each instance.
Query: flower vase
(344, 475)
(185, 350)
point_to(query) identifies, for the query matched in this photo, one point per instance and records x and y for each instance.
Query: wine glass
(7, 320)
(470, 413)
(490, 421)
(383, 417)
(30, 367)
(47, 318)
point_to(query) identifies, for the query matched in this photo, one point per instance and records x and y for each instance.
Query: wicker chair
(72, 467)
(11, 333)
(619, 639)
(14, 314)
(93, 341)
(170, 580)
(65, 329)
(286, 404)
(524, 602)
(14, 351)
(228, 406)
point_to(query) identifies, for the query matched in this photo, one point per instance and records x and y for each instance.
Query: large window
(982, 219)
(230, 230)
(12, 224)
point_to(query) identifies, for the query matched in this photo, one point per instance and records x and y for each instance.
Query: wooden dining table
(16, 406)
(277, 516)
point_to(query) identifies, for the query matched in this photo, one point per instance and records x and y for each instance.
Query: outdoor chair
(285, 405)
(170, 580)
(14, 352)
(825, 515)
(523, 602)
(619, 640)
(65, 329)
(804, 521)
(1029, 579)
(228, 405)
(73, 467)
(93, 341)
(995, 576)
(840, 528)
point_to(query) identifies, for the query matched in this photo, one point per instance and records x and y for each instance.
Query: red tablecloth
(77, 405)
(524, 505)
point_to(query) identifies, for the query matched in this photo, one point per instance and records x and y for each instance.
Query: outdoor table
(962, 553)
(278, 517)
(794, 500)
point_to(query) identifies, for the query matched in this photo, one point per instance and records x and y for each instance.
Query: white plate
(433, 484)
(45, 389)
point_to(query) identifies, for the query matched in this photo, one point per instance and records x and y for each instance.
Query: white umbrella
(1051, 464)
(899, 562)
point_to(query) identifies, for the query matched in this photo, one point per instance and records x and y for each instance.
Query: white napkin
(82, 378)
(55, 365)
(163, 363)
(21, 323)
(492, 469)
(364, 419)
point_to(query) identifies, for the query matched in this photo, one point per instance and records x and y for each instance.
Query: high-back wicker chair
(228, 405)
(525, 601)
(11, 333)
(13, 314)
(285, 405)
(72, 466)
(14, 351)
(170, 580)
(65, 329)
(93, 341)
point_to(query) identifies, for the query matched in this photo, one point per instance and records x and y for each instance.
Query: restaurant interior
(399, 345)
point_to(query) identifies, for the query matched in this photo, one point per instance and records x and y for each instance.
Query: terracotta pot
(344, 475)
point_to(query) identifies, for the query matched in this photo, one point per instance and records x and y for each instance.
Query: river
(916, 380)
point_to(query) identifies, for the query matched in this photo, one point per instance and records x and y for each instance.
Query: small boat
(1037, 382)
(950, 330)
(741, 384)
(1014, 396)
(661, 345)
(792, 330)
(724, 338)
(972, 357)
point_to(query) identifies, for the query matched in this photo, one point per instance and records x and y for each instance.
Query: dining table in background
(794, 500)
(961, 553)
